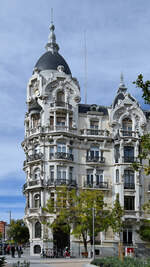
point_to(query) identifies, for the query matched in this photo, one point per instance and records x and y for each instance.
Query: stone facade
(81, 146)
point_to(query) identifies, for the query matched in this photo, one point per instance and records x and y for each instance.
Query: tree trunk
(84, 242)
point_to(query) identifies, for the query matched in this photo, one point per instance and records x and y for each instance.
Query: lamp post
(93, 214)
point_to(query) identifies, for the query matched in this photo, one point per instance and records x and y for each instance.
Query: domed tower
(51, 124)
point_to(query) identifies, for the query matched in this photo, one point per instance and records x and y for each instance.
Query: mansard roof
(84, 108)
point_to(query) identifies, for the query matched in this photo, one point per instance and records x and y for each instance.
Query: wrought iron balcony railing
(61, 104)
(59, 182)
(90, 158)
(33, 183)
(129, 159)
(129, 186)
(61, 155)
(94, 132)
(101, 185)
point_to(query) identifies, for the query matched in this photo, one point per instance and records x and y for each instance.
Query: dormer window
(94, 124)
(60, 98)
(127, 127)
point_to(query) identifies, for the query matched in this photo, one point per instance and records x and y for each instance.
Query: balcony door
(90, 177)
(99, 177)
(128, 154)
(94, 152)
(129, 179)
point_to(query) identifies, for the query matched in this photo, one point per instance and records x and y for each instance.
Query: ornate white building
(79, 145)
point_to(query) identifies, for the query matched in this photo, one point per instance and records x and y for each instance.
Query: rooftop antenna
(85, 68)
(51, 15)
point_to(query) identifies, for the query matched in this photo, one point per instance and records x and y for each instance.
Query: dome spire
(52, 45)
(122, 87)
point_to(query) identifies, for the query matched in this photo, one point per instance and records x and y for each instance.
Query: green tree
(145, 139)
(18, 232)
(117, 223)
(144, 230)
(74, 210)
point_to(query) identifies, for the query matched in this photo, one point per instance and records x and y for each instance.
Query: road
(36, 261)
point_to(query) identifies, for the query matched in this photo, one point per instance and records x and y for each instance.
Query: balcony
(32, 184)
(62, 155)
(98, 159)
(61, 104)
(101, 185)
(33, 157)
(129, 159)
(129, 186)
(95, 132)
(61, 182)
(129, 133)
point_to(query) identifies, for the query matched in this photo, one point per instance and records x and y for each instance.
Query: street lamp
(93, 214)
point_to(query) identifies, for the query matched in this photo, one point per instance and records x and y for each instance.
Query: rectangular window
(99, 177)
(51, 152)
(70, 173)
(117, 176)
(117, 154)
(52, 173)
(128, 154)
(94, 124)
(61, 173)
(127, 236)
(129, 179)
(61, 147)
(89, 177)
(129, 203)
(60, 121)
(51, 120)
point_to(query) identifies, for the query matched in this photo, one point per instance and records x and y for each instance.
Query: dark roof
(50, 61)
(84, 108)
(120, 96)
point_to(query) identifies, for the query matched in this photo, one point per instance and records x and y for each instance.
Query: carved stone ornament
(60, 68)
(77, 99)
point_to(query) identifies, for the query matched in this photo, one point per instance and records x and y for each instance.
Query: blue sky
(117, 40)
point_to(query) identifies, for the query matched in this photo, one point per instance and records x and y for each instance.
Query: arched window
(37, 173)
(37, 230)
(37, 201)
(35, 120)
(37, 249)
(127, 127)
(60, 97)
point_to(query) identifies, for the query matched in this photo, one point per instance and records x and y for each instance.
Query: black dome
(50, 61)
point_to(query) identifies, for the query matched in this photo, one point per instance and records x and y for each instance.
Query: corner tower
(51, 124)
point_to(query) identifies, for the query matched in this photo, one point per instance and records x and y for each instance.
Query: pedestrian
(13, 251)
(19, 250)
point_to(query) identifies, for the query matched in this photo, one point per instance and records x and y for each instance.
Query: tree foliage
(75, 210)
(117, 215)
(145, 139)
(18, 232)
(144, 230)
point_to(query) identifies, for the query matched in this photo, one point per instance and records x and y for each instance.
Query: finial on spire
(121, 81)
(52, 45)
(122, 87)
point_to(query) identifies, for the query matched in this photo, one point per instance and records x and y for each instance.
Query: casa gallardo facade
(80, 146)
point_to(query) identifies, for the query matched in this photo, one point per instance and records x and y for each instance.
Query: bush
(116, 262)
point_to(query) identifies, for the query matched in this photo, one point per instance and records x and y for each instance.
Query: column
(55, 120)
